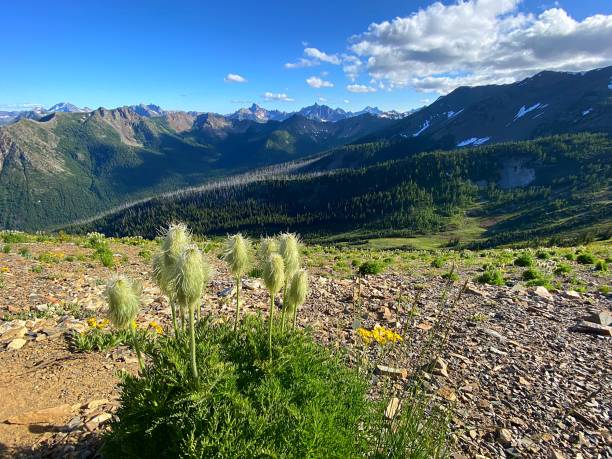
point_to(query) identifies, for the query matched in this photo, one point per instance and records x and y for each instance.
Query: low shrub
(451, 276)
(570, 256)
(563, 268)
(586, 258)
(542, 255)
(525, 259)
(601, 265)
(371, 267)
(25, 252)
(438, 262)
(531, 273)
(6, 248)
(491, 276)
(605, 289)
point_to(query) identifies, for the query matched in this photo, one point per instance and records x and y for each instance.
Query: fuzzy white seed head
(267, 246)
(190, 275)
(274, 273)
(298, 288)
(289, 248)
(237, 254)
(123, 300)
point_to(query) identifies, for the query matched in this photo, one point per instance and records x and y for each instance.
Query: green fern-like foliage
(303, 403)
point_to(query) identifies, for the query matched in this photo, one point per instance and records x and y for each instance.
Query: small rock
(399, 373)
(16, 344)
(392, 408)
(227, 292)
(44, 416)
(592, 328)
(447, 393)
(440, 367)
(505, 437)
(251, 284)
(554, 454)
(15, 332)
(543, 292)
(385, 313)
(572, 294)
(602, 318)
(93, 404)
(95, 422)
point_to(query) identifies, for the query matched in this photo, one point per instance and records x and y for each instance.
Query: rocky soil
(526, 372)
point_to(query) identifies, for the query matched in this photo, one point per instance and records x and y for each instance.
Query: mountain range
(66, 163)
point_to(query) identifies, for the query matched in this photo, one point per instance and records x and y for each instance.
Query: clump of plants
(524, 260)
(371, 267)
(601, 265)
(531, 273)
(491, 276)
(438, 262)
(563, 268)
(586, 258)
(542, 255)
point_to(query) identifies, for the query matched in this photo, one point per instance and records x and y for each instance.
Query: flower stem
(237, 302)
(174, 322)
(270, 324)
(194, 367)
(137, 349)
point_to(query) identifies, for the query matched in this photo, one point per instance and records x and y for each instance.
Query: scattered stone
(572, 294)
(554, 454)
(16, 344)
(505, 437)
(447, 393)
(251, 284)
(440, 367)
(397, 373)
(227, 292)
(93, 404)
(603, 317)
(592, 328)
(385, 314)
(425, 326)
(44, 416)
(392, 408)
(472, 290)
(15, 332)
(543, 292)
(95, 422)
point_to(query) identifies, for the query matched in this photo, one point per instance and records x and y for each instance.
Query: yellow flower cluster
(157, 327)
(379, 334)
(95, 323)
(4, 269)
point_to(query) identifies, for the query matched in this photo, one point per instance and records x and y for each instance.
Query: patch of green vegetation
(531, 273)
(438, 262)
(145, 255)
(601, 265)
(6, 248)
(303, 402)
(451, 276)
(563, 268)
(543, 254)
(586, 258)
(605, 289)
(371, 267)
(492, 276)
(36, 269)
(525, 259)
(25, 252)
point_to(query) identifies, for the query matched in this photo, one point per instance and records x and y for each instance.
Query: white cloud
(316, 82)
(278, 96)
(346, 101)
(314, 58)
(322, 99)
(234, 78)
(360, 88)
(475, 42)
(301, 62)
(321, 56)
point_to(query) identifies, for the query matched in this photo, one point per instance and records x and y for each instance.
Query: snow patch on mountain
(425, 126)
(473, 141)
(587, 111)
(524, 110)
(452, 114)
(610, 85)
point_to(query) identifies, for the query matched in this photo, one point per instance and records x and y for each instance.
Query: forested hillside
(554, 187)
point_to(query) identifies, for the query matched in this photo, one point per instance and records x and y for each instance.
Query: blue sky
(179, 54)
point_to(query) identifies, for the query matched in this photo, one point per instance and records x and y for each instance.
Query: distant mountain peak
(65, 107)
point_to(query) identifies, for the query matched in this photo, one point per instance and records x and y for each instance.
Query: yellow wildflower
(92, 322)
(379, 334)
(157, 327)
(4, 269)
